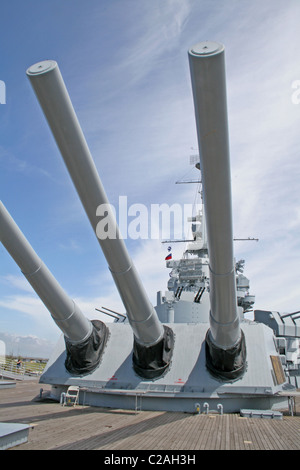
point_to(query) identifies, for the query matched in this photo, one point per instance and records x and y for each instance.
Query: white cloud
(154, 31)
(27, 345)
(27, 304)
(71, 245)
(17, 281)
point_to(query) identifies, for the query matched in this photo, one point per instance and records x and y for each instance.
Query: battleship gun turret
(225, 342)
(189, 351)
(152, 340)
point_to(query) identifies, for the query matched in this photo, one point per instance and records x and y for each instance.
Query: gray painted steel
(207, 68)
(6, 383)
(54, 99)
(66, 314)
(13, 434)
(265, 414)
(287, 325)
(187, 381)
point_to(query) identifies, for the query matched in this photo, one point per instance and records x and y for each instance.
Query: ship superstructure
(187, 297)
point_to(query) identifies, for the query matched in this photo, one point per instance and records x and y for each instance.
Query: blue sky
(126, 68)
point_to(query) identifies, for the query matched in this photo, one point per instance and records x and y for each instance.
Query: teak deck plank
(83, 427)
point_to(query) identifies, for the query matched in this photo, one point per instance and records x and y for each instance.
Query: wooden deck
(63, 428)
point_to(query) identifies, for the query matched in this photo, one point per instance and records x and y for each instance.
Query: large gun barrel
(54, 99)
(80, 333)
(225, 345)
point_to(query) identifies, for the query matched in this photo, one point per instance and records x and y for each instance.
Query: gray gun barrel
(64, 311)
(54, 99)
(225, 340)
(78, 330)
